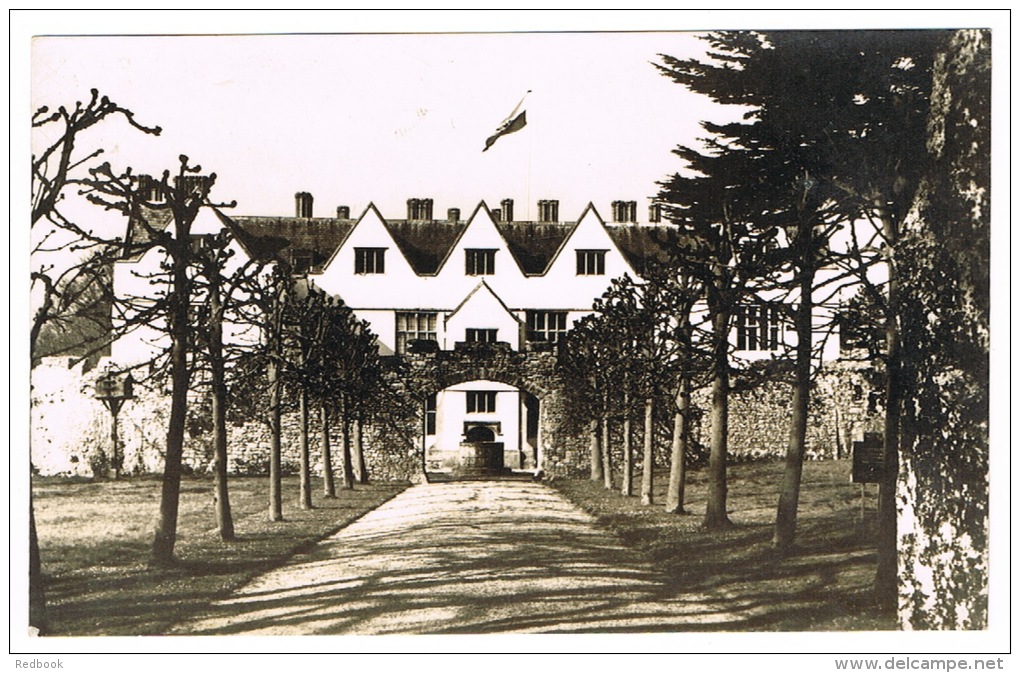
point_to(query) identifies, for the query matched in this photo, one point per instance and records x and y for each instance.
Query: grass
(95, 540)
(823, 584)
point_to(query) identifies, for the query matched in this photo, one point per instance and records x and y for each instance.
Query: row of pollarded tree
(836, 135)
(305, 345)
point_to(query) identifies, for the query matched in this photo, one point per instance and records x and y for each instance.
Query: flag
(515, 122)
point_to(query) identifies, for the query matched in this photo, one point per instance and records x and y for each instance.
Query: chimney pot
(655, 213)
(507, 206)
(419, 209)
(549, 210)
(303, 204)
(343, 212)
(453, 214)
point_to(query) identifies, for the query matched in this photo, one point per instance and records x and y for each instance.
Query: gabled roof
(157, 219)
(425, 244)
(534, 244)
(641, 244)
(318, 236)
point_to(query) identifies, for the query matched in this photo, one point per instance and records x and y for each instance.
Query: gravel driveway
(461, 557)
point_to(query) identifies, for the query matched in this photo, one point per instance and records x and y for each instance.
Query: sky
(355, 119)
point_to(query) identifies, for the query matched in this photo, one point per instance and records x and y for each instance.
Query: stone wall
(844, 405)
(71, 430)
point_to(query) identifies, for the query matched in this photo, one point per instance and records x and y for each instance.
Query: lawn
(95, 539)
(823, 585)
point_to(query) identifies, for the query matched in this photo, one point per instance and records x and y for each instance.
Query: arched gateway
(485, 409)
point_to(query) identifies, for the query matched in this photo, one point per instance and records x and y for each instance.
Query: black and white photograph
(644, 332)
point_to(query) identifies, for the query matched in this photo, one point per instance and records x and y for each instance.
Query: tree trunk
(607, 470)
(789, 494)
(681, 435)
(36, 591)
(648, 465)
(345, 423)
(166, 529)
(328, 483)
(305, 469)
(224, 518)
(360, 467)
(275, 477)
(944, 267)
(275, 412)
(627, 467)
(886, 572)
(715, 510)
(595, 448)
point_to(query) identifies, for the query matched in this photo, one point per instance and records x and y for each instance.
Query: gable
(590, 233)
(480, 232)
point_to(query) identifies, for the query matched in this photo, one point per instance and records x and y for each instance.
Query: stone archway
(533, 374)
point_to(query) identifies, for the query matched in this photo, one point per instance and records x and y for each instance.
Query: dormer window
(369, 260)
(480, 262)
(591, 262)
(301, 261)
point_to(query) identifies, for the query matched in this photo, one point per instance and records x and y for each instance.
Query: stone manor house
(433, 289)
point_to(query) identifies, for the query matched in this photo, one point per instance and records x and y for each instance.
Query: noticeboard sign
(869, 459)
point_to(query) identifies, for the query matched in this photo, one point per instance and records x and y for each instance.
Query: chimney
(624, 211)
(549, 210)
(303, 204)
(507, 206)
(497, 215)
(419, 209)
(150, 189)
(193, 184)
(343, 212)
(655, 213)
(453, 214)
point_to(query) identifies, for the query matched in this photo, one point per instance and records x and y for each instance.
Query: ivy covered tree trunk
(944, 267)
(648, 462)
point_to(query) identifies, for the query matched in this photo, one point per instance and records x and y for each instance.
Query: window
(591, 262)
(759, 328)
(481, 402)
(301, 261)
(430, 415)
(414, 326)
(369, 260)
(484, 336)
(548, 326)
(480, 262)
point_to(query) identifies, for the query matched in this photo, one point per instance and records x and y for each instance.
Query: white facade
(489, 280)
